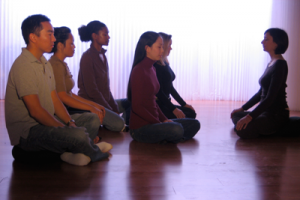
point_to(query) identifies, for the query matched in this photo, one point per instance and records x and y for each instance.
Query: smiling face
(268, 44)
(102, 37)
(69, 48)
(155, 52)
(45, 41)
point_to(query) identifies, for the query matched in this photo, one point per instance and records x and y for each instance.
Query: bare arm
(89, 102)
(77, 102)
(60, 109)
(40, 114)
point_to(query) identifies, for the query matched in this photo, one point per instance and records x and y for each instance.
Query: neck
(60, 56)
(35, 52)
(97, 46)
(274, 56)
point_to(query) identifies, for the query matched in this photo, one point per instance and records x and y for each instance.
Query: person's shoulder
(56, 63)
(279, 67)
(280, 63)
(21, 63)
(138, 70)
(87, 56)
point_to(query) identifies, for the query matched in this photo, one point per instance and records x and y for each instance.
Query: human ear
(147, 48)
(60, 46)
(32, 37)
(94, 36)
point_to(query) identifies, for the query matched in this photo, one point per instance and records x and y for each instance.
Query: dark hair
(281, 38)
(146, 39)
(85, 32)
(61, 34)
(32, 24)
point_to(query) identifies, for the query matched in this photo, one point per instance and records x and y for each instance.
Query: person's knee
(91, 120)
(191, 114)
(237, 116)
(119, 124)
(177, 130)
(78, 136)
(197, 125)
(115, 123)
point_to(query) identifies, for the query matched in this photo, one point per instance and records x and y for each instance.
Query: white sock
(104, 146)
(75, 158)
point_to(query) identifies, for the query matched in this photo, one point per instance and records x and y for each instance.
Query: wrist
(249, 117)
(71, 121)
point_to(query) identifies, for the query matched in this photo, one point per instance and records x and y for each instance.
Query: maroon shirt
(93, 79)
(144, 87)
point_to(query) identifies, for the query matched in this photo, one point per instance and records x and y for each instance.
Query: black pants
(189, 113)
(265, 124)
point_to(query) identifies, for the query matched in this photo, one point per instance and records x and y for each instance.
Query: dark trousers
(179, 130)
(189, 113)
(265, 124)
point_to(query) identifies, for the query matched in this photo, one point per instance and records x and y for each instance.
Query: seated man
(31, 102)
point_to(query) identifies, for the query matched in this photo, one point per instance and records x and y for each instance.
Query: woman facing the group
(272, 112)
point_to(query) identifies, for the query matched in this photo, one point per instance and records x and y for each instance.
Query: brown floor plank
(216, 164)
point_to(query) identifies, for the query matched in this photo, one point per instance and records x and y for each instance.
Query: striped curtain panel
(217, 52)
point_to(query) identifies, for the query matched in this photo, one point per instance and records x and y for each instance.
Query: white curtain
(216, 53)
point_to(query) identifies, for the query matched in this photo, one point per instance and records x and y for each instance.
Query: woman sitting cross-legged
(166, 76)
(64, 47)
(147, 122)
(272, 112)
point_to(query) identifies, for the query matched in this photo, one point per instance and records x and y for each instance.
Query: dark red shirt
(93, 79)
(144, 87)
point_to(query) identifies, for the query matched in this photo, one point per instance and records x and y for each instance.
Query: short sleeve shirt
(63, 78)
(27, 76)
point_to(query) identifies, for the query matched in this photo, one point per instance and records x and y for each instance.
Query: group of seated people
(44, 117)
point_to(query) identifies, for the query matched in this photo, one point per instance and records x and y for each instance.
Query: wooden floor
(215, 165)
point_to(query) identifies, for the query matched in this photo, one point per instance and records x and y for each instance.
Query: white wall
(286, 14)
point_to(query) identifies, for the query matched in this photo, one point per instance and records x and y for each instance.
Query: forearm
(254, 100)
(177, 97)
(74, 101)
(40, 114)
(59, 109)
(84, 100)
(45, 118)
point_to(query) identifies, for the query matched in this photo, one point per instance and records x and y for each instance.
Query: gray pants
(66, 139)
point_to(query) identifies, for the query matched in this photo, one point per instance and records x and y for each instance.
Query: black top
(272, 95)
(166, 76)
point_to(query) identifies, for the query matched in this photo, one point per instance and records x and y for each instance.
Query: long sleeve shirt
(166, 76)
(272, 94)
(144, 87)
(93, 79)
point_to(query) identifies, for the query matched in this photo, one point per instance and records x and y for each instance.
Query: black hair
(61, 34)
(281, 38)
(32, 24)
(146, 39)
(85, 32)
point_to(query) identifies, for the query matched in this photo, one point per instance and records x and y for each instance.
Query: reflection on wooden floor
(215, 165)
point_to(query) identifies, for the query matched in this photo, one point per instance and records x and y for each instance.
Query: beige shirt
(62, 74)
(27, 76)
